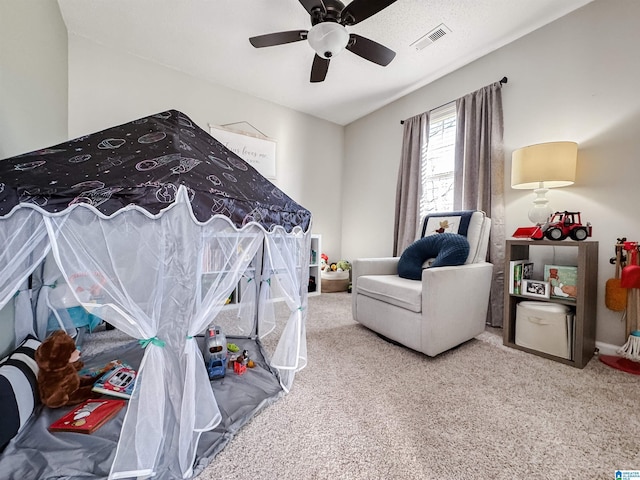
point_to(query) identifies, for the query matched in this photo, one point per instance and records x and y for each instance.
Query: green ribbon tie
(154, 340)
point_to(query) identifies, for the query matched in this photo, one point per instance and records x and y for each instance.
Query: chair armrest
(374, 266)
(369, 266)
(456, 282)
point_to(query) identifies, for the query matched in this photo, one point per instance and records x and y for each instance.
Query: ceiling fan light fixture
(328, 39)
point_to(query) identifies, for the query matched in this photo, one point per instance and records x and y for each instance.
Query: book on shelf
(519, 270)
(88, 416)
(512, 277)
(117, 381)
(563, 280)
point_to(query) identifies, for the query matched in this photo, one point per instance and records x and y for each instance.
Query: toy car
(560, 226)
(215, 352)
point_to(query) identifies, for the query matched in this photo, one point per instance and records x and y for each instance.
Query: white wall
(575, 79)
(33, 91)
(33, 76)
(108, 87)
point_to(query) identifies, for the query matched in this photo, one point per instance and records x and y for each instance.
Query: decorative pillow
(447, 222)
(473, 224)
(447, 248)
(18, 389)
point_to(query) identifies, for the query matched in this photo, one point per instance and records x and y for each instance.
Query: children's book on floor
(117, 381)
(88, 416)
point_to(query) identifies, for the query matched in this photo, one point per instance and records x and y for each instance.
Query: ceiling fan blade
(360, 10)
(370, 50)
(319, 69)
(278, 38)
(310, 5)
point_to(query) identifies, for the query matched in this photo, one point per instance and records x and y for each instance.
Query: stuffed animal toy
(59, 383)
(343, 266)
(323, 261)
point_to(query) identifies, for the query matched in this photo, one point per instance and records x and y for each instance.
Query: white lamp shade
(328, 39)
(553, 164)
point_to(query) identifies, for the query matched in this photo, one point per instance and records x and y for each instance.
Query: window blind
(437, 163)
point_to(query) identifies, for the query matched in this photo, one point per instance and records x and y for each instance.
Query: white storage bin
(545, 326)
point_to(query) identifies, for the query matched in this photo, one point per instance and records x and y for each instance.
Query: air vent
(427, 39)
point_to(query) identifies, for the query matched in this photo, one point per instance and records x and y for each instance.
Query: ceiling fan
(328, 35)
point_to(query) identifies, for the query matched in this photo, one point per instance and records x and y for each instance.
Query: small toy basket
(334, 282)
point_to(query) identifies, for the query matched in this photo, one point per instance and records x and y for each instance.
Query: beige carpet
(366, 409)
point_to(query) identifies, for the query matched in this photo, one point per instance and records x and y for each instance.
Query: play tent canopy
(136, 217)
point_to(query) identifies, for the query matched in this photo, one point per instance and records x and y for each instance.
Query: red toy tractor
(560, 226)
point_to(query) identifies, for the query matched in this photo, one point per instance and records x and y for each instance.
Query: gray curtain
(414, 141)
(479, 176)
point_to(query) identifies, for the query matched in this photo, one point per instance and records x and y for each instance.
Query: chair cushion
(470, 223)
(392, 289)
(447, 248)
(18, 389)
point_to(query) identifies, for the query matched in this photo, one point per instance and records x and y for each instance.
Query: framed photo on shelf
(527, 270)
(536, 288)
(518, 271)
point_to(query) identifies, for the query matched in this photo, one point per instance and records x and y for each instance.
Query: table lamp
(541, 167)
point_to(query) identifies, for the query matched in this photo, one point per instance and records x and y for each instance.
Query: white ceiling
(208, 39)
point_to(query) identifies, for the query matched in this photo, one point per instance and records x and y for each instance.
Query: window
(438, 162)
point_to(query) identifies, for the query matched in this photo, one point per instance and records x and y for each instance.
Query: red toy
(560, 226)
(632, 248)
(239, 368)
(241, 362)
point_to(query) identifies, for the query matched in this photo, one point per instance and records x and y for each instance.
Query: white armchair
(447, 307)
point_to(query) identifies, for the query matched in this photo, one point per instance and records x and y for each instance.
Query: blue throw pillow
(446, 248)
(18, 389)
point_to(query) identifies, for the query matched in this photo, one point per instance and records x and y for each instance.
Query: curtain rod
(502, 80)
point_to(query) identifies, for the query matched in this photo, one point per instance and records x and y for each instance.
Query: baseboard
(607, 348)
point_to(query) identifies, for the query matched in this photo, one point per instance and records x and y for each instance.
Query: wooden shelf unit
(314, 263)
(584, 306)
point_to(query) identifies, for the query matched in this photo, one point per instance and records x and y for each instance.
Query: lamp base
(541, 211)
(540, 216)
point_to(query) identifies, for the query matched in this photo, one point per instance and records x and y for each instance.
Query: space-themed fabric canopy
(153, 226)
(143, 163)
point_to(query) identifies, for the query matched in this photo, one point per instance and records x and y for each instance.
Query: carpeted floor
(366, 409)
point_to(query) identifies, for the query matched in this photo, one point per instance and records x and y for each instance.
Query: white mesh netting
(163, 280)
